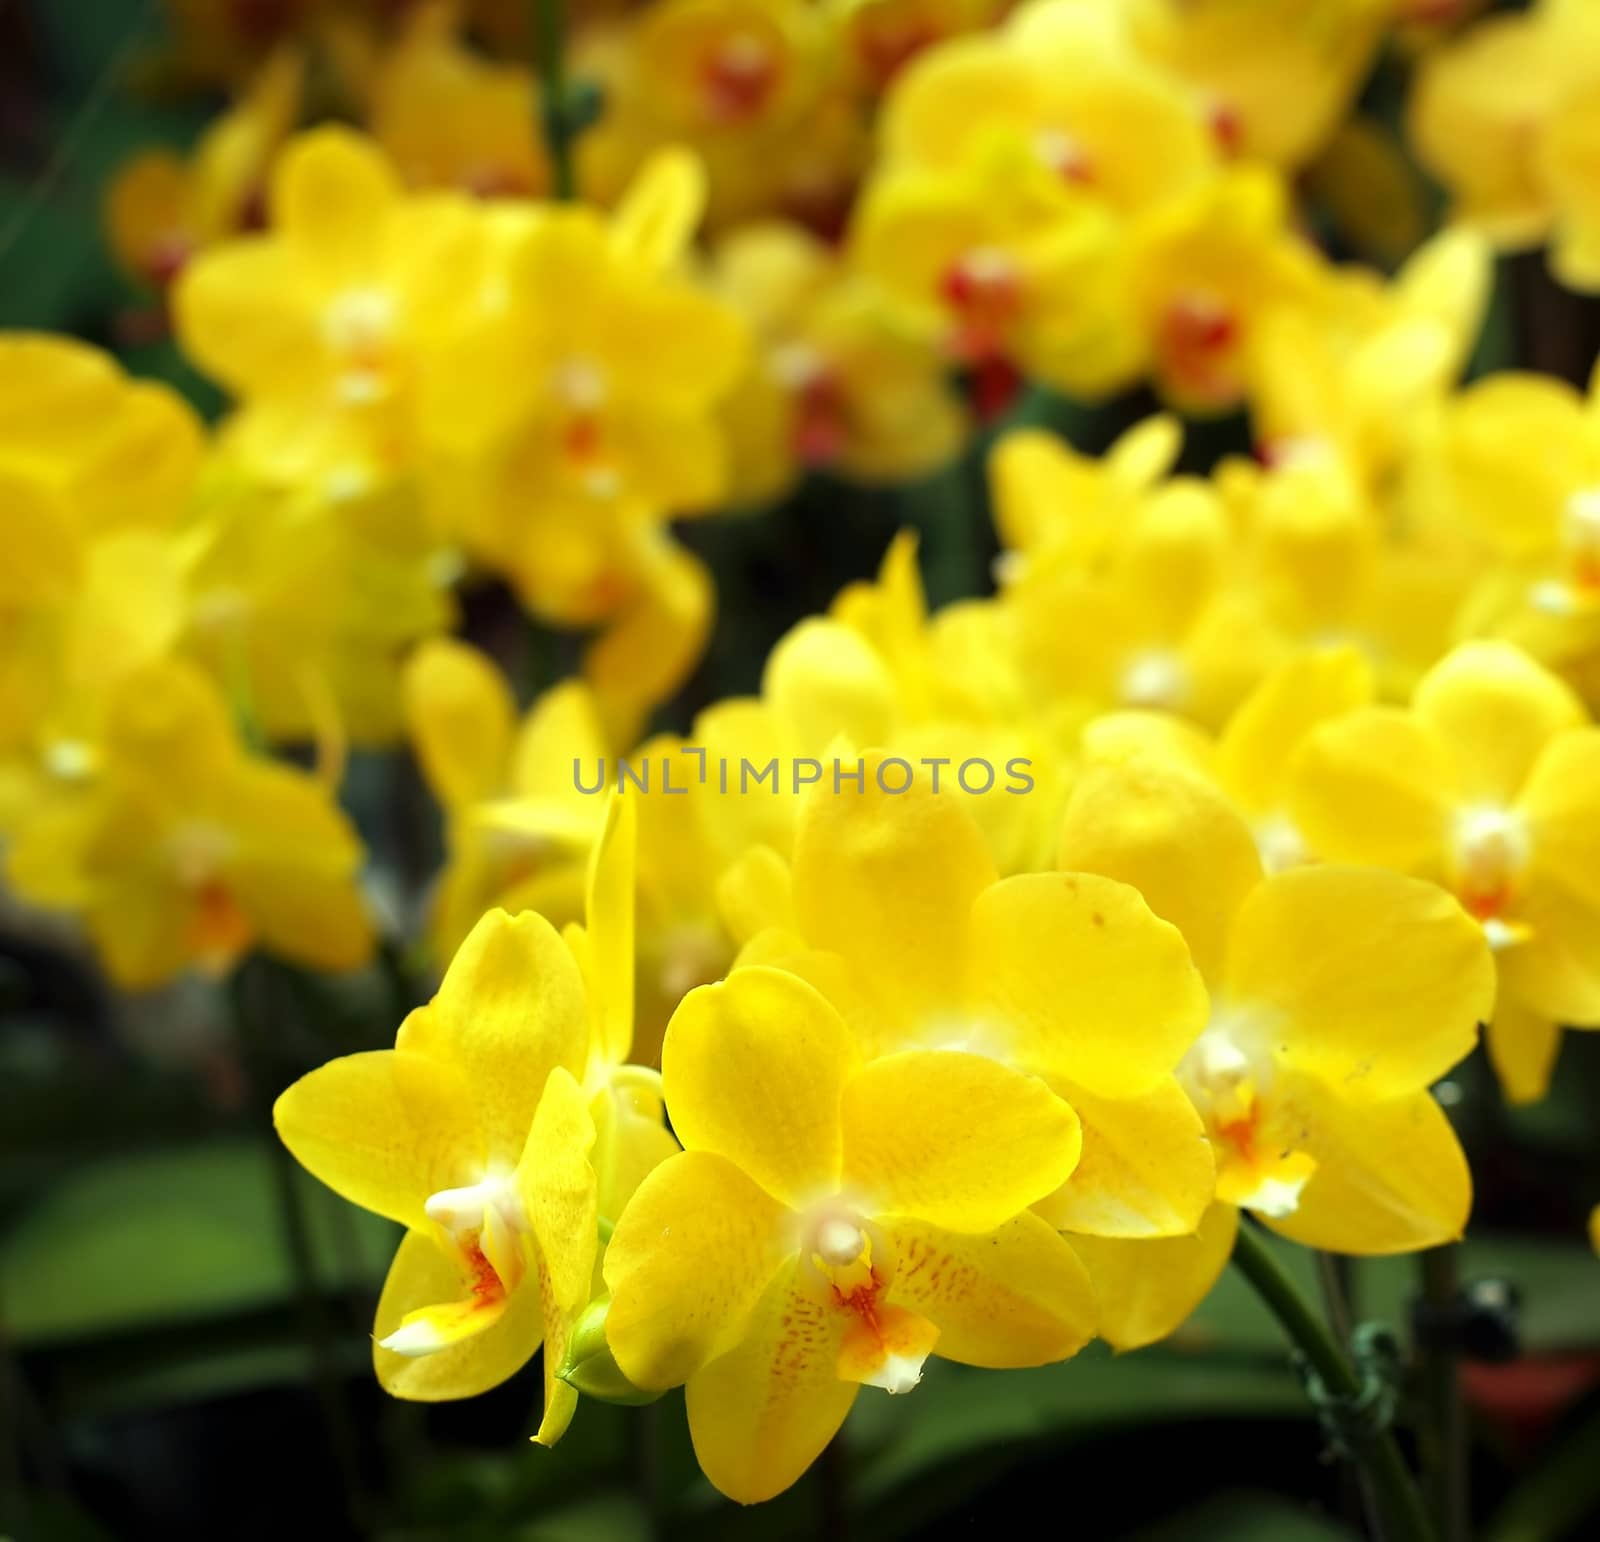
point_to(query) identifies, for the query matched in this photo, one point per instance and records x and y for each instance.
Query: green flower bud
(591, 1368)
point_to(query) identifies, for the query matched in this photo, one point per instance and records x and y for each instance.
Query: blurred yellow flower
(1485, 785)
(184, 850)
(833, 384)
(163, 208)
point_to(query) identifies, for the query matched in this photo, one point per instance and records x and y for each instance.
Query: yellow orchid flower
(361, 305)
(474, 1133)
(185, 851)
(613, 412)
(1203, 270)
(1093, 111)
(1484, 786)
(1538, 516)
(1504, 117)
(830, 1222)
(746, 85)
(1274, 76)
(518, 829)
(95, 470)
(1338, 995)
(833, 384)
(879, 670)
(1163, 622)
(301, 598)
(162, 208)
(1055, 505)
(1006, 265)
(1354, 379)
(1256, 750)
(897, 914)
(449, 118)
(1326, 563)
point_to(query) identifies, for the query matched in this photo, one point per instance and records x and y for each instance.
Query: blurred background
(184, 1315)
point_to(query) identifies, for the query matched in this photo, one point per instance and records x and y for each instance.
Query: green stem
(549, 40)
(1379, 1455)
(251, 982)
(1333, 1278)
(1443, 1442)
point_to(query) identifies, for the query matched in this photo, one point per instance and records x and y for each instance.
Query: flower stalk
(560, 126)
(1375, 1450)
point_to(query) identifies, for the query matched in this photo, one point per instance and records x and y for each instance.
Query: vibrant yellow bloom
(1055, 505)
(1255, 753)
(518, 830)
(448, 118)
(163, 208)
(1504, 116)
(749, 86)
(833, 383)
(1162, 621)
(1093, 112)
(1006, 265)
(1485, 785)
(1338, 995)
(95, 469)
(879, 670)
(896, 913)
(1357, 379)
(1537, 516)
(1274, 76)
(302, 595)
(354, 308)
(474, 1133)
(613, 425)
(185, 851)
(1203, 271)
(830, 1223)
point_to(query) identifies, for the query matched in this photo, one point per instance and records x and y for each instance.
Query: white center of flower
(1226, 1069)
(839, 1241)
(359, 322)
(69, 760)
(1155, 678)
(796, 365)
(1062, 153)
(198, 850)
(989, 267)
(1490, 850)
(464, 1212)
(1280, 843)
(580, 385)
(1580, 524)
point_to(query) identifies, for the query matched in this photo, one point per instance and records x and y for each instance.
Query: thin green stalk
(1404, 1518)
(250, 982)
(1333, 1278)
(549, 41)
(1443, 1442)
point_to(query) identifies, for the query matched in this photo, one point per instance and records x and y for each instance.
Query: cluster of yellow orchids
(1265, 789)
